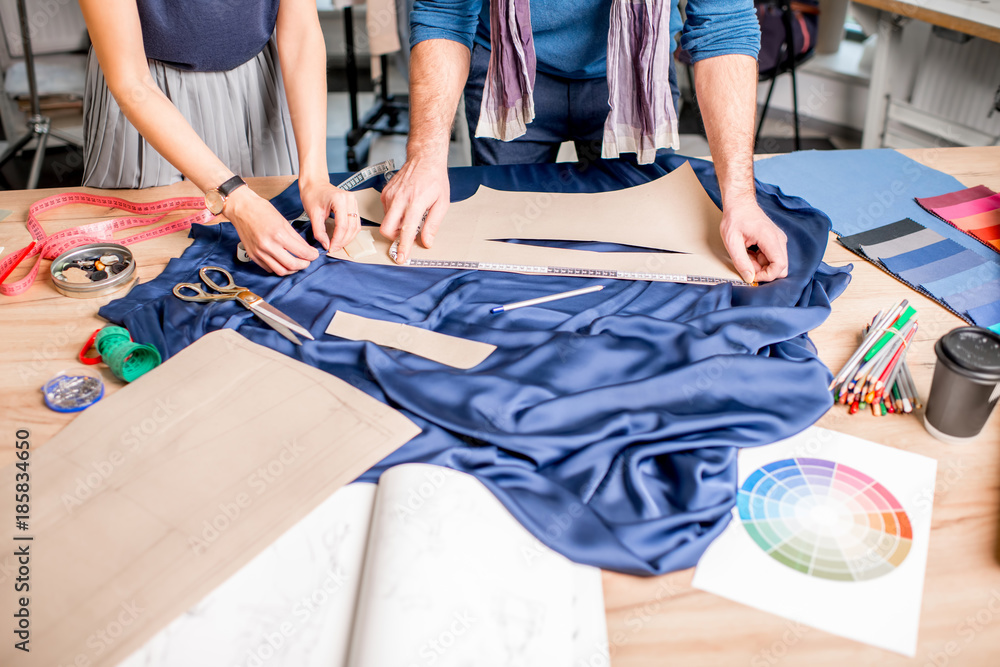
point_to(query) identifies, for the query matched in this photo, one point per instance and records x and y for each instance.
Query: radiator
(953, 93)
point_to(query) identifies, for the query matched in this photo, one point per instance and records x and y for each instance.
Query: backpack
(803, 18)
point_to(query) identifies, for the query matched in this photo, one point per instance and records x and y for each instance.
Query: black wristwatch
(215, 199)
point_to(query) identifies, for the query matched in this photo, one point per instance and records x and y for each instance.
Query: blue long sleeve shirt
(571, 36)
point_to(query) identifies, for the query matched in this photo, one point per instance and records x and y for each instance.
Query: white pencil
(546, 299)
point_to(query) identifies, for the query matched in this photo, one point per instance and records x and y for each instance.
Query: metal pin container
(87, 256)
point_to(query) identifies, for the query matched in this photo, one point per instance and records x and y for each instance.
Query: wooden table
(659, 620)
(979, 18)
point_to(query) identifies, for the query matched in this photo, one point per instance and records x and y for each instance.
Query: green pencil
(893, 331)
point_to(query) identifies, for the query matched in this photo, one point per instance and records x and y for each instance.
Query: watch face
(214, 201)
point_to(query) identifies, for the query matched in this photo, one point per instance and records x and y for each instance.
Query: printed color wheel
(825, 519)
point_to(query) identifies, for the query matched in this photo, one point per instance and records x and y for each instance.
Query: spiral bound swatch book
(975, 211)
(964, 281)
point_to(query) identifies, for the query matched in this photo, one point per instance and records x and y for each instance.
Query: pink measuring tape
(50, 247)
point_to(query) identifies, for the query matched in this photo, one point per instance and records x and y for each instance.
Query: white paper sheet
(452, 579)
(801, 510)
(446, 572)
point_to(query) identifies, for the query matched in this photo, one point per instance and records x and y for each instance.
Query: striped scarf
(642, 117)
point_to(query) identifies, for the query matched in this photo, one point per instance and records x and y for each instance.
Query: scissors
(276, 319)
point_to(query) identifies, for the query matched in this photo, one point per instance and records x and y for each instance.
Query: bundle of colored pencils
(876, 376)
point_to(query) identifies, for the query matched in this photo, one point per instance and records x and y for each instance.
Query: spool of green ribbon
(127, 360)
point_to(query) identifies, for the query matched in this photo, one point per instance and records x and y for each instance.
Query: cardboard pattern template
(673, 215)
(157, 494)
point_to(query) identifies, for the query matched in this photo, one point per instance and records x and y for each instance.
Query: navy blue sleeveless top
(206, 35)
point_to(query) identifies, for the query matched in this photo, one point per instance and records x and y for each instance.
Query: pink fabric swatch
(953, 198)
(969, 208)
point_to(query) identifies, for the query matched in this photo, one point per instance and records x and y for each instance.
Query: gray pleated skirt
(242, 115)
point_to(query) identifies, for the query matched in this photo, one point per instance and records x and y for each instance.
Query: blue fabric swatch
(864, 189)
(975, 297)
(922, 256)
(968, 279)
(942, 268)
(987, 315)
(609, 424)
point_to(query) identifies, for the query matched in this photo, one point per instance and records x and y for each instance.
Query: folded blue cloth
(607, 424)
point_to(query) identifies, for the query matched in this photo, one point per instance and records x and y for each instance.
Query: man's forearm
(727, 96)
(439, 69)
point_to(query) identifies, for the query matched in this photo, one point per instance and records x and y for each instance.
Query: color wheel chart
(825, 519)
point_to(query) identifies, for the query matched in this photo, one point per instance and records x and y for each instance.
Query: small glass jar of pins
(93, 270)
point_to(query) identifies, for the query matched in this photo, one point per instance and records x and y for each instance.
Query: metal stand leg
(38, 125)
(763, 112)
(386, 105)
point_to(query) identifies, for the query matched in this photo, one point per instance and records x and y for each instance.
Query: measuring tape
(51, 246)
(569, 271)
(354, 181)
(357, 179)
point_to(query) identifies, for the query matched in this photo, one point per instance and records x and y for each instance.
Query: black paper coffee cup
(966, 384)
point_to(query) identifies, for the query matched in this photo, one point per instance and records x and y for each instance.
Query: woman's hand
(322, 201)
(267, 237)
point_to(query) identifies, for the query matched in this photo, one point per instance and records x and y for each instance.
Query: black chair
(788, 39)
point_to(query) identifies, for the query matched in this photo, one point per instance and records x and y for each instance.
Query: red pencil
(20, 256)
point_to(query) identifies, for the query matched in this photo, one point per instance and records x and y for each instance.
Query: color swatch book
(870, 197)
(831, 531)
(425, 568)
(975, 211)
(964, 281)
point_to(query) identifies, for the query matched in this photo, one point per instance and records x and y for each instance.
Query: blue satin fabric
(607, 424)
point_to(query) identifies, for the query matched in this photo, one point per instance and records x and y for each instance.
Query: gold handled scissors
(276, 319)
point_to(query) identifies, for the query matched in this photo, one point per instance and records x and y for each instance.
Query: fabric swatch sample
(882, 234)
(983, 226)
(954, 198)
(968, 279)
(914, 241)
(448, 350)
(942, 268)
(987, 315)
(955, 276)
(923, 256)
(986, 232)
(975, 211)
(871, 189)
(975, 296)
(974, 207)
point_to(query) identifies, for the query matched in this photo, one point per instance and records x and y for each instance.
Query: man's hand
(324, 200)
(419, 192)
(268, 238)
(745, 225)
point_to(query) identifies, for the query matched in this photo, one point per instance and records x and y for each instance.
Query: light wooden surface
(659, 620)
(979, 18)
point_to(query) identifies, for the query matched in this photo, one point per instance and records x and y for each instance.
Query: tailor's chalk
(546, 299)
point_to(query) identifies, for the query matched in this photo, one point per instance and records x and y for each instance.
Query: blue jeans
(565, 110)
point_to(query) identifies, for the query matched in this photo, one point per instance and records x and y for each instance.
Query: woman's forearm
(116, 35)
(302, 54)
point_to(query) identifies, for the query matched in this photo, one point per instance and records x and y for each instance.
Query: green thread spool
(127, 360)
